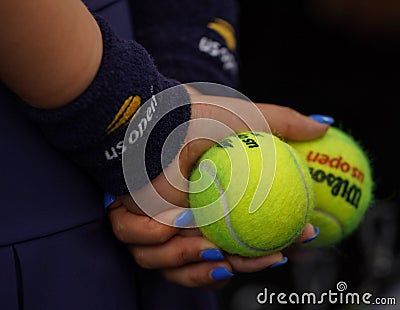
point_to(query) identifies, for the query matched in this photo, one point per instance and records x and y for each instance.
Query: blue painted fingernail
(108, 200)
(324, 119)
(185, 218)
(316, 229)
(221, 273)
(212, 255)
(277, 264)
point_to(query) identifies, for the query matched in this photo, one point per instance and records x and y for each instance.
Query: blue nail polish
(324, 119)
(277, 264)
(185, 218)
(221, 273)
(108, 200)
(212, 255)
(316, 229)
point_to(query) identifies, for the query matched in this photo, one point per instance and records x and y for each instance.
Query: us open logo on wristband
(225, 30)
(166, 140)
(221, 49)
(125, 114)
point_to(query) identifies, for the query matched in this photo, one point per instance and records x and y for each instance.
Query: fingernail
(316, 229)
(324, 119)
(277, 264)
(185, 218)
(212, 255)
(108, 200)
(221, 273)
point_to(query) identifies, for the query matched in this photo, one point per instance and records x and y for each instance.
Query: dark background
(292, 54)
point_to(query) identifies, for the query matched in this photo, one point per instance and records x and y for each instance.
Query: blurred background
(339, 58)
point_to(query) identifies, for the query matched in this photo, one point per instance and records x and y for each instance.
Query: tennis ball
(343, 184)
(251, 194)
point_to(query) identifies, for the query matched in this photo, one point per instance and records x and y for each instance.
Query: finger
(203, 274)
(192, 232)
(290, 124)
(216, 117)
(139, 229)
(308, 234)
(159, 198)
(253, 264)
(238, 115)
(176, 252)
(130, 204)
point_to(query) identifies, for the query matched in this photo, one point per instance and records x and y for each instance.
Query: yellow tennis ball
(251, 194)
(343, 184)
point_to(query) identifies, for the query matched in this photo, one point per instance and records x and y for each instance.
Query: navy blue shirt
(57, 250)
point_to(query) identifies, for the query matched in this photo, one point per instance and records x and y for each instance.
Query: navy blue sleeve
(91, 129)
(191, 41)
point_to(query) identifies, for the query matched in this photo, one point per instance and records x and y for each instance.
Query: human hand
(183, 255)
(214, 118)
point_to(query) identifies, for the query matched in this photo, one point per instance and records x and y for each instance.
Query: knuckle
(119, 230)
(195, 280)
(160, 236)
(140, 258)
(183, 256)
(189, 279)
(289, 111)
(188, 250)
(292, 115)
(160, 233)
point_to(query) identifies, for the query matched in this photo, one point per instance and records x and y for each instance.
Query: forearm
(91, 128)
(50, 50)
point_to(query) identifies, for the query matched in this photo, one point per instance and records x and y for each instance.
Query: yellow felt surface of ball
(343, 184)
(251, 194)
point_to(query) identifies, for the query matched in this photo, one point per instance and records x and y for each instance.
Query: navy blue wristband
(91, 129)
(193, 41)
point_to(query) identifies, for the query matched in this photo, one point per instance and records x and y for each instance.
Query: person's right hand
(181, 254)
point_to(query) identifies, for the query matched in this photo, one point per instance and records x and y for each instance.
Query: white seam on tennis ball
(303, 177)
(227, 218)
(226, 210)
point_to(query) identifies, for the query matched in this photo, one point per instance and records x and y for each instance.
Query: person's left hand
(184, 256)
